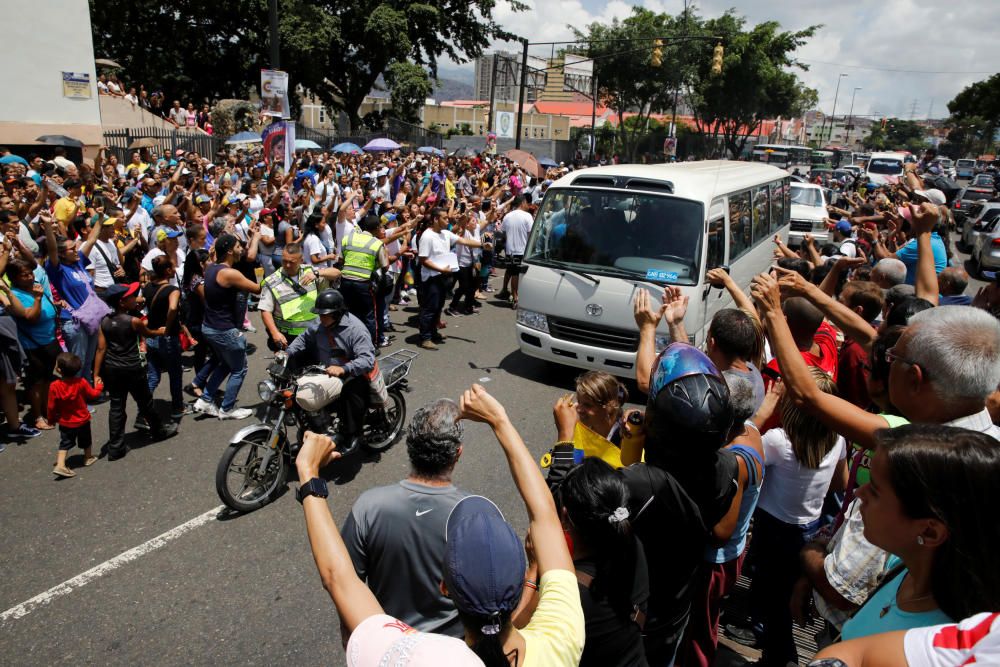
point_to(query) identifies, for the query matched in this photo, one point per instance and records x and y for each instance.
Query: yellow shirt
(141, 166)
(65, 210)
(556, 633)
(449, 189)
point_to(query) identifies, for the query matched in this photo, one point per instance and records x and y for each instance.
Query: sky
(956, 37)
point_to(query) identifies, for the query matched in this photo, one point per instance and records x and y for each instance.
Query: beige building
(448, 115)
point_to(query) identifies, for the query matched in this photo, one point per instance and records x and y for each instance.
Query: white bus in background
(884, 168)
(603, 234)
(783, 155)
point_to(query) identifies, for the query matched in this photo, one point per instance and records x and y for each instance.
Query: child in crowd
(67, 407)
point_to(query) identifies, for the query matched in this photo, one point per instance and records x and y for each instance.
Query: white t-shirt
(467, 254)
(517, 225)
(147, 265)
(973, 641)
(179, 116)
(791, 492)
(141, 222)
(103, 274)
(849, 248)
(343, 229)
(433, 244)
(313, 246)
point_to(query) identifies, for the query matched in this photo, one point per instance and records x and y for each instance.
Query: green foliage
(898, 135)
(409, 88)
(975, 117)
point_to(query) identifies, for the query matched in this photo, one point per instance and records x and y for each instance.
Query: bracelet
(533, 585)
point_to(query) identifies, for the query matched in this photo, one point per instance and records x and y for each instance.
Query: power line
(886, 69)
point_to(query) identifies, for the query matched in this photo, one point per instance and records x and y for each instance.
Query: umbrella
(347, 147)
(465, 151)
(526, 161)
(10, 159)
(381, 145)
(145, 142)
(244, 138)
(60, 140)
(106, 62)
(430, 150)
(306, 144)
(547, 162)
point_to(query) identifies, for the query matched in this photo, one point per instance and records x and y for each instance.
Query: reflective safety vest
(293, 302)
(360, 255)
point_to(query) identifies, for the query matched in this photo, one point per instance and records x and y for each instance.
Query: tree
(627, 82)
(898, 134)
(975, 114)
(409, 87)
(756, 82)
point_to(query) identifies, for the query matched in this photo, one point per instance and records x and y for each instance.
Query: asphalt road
(217, 588)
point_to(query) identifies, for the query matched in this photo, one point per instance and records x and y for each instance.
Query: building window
(322, 115)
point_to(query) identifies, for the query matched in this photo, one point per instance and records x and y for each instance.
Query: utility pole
(850, 117)
(520, 93)
(593, 120)
(493, 91)
(677, 86)
(834, 113)
(913, 109)
(273, 16)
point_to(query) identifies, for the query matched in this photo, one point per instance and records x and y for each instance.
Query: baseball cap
(384, 640)
(162, 234)
(129, 194)
(116, 292)
(382, 172)
(108, 221)
(265, 211)
(933, 195)
(389, 217)
(202, 199)
(484, 561)
(179, 152)
(843, 227)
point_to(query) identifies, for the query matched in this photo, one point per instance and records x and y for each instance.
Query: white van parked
(808, 213)
(884, 168)
(603, 234)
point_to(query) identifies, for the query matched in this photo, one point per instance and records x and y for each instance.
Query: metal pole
(275, 55)
(520, 93)
(850, 116)
(493, 91)
(677, 85)
(593, 122)
(832, 115)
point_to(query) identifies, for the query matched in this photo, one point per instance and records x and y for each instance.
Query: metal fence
(118, 140)
(397, 130)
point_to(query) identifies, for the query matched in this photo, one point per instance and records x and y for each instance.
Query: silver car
(974, 211)
(985, 253)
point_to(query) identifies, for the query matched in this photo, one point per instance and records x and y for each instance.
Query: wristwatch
(314, 487)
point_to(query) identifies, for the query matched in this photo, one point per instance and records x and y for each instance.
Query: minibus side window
(716, 243)
(760, 214)
(739, 225)
(777, 206)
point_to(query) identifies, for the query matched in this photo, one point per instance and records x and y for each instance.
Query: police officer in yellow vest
(363, 254)
(288, 297)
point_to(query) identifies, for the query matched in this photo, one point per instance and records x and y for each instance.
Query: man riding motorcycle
(340, 342)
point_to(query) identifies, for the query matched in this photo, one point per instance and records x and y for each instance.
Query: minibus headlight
(533, 320)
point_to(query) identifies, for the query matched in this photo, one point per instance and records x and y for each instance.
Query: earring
(920, 540)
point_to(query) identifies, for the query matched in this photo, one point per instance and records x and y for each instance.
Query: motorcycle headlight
(533, 320)
(265, 389)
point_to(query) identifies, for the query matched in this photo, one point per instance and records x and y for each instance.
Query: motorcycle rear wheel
(238, 468)
(382, 437)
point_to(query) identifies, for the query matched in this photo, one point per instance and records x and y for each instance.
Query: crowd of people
(835, 441)
(189, 116)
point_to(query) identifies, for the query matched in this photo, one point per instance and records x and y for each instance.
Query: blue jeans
(83, 345)
(230, 348)
(163, 355)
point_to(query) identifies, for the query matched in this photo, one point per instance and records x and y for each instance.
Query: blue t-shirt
(72, 281)
(955, 300)
(40, 332)
(870, 619)
(908, 255)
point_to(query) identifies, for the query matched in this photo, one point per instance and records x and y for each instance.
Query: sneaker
(25, 431)
(235, 413)
(453, 313)
(428, 345)
(489, 290)
(91, 460)
(140, 424)
(249, 328)
(63, 471)
(385, 343)
(180, 411)
(3, 448)
(206, 407)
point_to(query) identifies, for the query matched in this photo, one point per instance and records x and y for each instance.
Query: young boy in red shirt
(67, 407)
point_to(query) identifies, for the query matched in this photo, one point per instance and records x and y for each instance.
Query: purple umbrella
(381, 145)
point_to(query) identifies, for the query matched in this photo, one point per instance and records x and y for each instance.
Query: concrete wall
(560, 151)
(51, 38)
(118, 112)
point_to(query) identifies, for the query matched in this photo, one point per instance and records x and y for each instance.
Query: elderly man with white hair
(889, 272)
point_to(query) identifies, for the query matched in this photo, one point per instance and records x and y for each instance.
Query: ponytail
(488, 632)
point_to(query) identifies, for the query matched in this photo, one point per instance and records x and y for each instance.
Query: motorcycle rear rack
(396, 365)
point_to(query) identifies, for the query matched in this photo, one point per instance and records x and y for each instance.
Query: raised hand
(644, 312)
(477, 405)
(675, 304)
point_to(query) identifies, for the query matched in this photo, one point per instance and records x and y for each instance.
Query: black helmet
(330, 302)
(689, 406)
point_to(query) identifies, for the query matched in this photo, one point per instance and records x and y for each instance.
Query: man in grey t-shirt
(396, 534)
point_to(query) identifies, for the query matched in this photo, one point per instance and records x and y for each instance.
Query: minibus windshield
(617, 233)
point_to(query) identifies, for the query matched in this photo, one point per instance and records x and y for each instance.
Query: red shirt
(826, 340)
(852, 374)
(68, 401)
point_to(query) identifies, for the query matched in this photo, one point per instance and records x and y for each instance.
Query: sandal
(42, 425)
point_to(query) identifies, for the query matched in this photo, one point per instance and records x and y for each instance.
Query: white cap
(933, 195)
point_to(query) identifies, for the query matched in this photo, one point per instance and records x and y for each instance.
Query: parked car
(965, 200)
(973, 225)
(982, 180)
(808, 213)
(965, 168)
(855, 169)
(985, 253)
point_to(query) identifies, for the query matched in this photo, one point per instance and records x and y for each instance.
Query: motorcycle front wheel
(381, 437)
(238, 480)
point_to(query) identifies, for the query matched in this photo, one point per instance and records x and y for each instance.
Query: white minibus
(603, 234)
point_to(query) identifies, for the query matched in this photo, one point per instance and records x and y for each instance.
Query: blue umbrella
(347, 147)
(381, 145)
(306, 144)
(10, 159)
(244, 138)
(547, 162)
(430, 150)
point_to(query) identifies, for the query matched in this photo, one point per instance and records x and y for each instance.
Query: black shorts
(75, 435)
(515, 260)
(41, 363)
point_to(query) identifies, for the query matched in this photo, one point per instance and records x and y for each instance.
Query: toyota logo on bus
(595, 309)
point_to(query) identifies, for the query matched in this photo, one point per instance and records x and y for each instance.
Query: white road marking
(107, 566)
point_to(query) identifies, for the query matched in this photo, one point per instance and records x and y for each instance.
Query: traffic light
(656, 59)
(717, 54)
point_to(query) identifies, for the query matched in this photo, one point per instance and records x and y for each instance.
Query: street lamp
(834, 113)
(850, 116)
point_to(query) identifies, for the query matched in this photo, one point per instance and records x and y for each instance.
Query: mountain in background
(455, 82)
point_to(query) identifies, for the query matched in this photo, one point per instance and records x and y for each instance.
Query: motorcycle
(254, 467)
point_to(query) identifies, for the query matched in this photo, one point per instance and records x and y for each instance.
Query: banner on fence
(279, 144)
(274, 93)
(505, 124)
